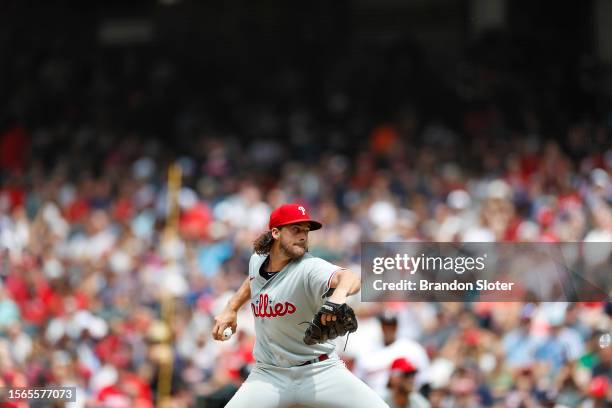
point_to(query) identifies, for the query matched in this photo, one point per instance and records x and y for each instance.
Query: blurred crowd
(101, 290)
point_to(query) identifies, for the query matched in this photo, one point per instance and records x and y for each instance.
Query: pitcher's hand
(227, 318)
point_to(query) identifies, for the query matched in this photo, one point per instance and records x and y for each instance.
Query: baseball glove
(345, 322)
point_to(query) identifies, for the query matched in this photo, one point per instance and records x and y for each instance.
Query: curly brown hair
(263, 244)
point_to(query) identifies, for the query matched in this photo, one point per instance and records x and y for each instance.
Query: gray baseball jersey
(280, 304)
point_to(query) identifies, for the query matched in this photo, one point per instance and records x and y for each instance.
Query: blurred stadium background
(143, 144)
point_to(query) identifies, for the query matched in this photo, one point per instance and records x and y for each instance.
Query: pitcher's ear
(275, 233)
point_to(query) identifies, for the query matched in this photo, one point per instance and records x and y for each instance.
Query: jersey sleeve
(254, 265)
(320, 274)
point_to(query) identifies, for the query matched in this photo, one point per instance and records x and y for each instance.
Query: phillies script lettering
(265, 309)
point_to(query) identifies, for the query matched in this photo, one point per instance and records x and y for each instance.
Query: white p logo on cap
(302, 209)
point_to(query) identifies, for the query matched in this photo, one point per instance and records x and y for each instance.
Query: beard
(293, 251)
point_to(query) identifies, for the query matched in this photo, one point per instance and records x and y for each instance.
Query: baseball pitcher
(299, 305)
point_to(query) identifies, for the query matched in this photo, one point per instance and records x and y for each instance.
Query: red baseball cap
(291, 214)
(402, 365)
